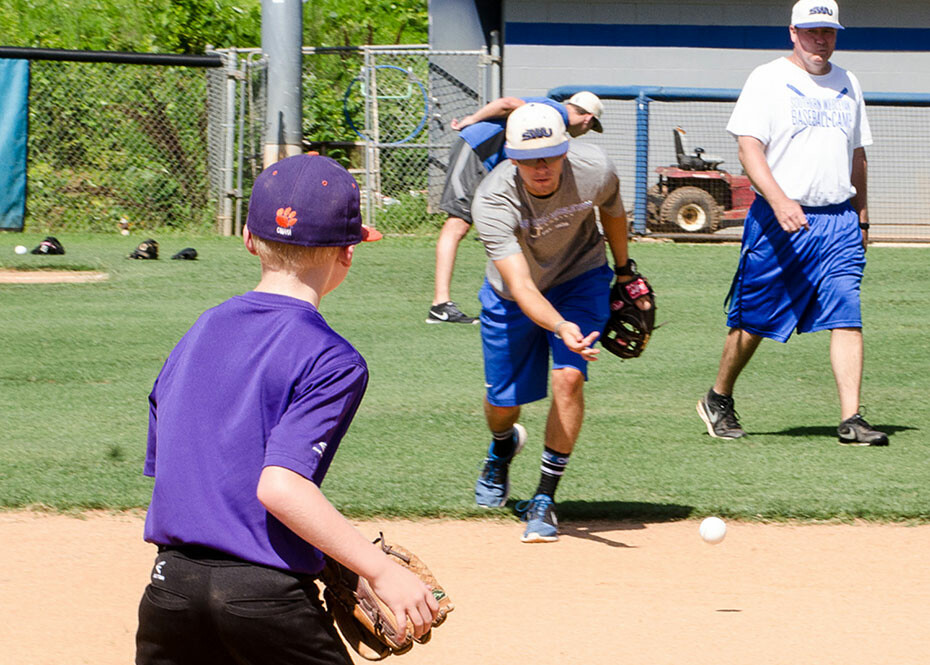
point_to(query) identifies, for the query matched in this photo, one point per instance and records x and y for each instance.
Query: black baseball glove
(628, 329)
(147, 249)
(49, 246)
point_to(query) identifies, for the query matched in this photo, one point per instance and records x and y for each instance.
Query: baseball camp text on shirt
(838, 112)
(537, 227)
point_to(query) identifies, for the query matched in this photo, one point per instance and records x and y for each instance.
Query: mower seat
(695, 161)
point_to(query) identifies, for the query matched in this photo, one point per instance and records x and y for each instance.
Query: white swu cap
(816, 14)
(535, 130)
(589, 103)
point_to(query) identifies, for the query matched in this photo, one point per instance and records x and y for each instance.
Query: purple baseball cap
(308, 200)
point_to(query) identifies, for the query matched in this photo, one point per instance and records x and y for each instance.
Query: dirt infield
(612, 593)
(8, 276)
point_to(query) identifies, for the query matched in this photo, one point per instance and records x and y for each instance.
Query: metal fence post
(240, 156)
(371, 156)
(642, 162)
(229, 128)
(495, 79)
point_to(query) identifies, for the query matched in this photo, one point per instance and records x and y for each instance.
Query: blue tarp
(14, 125)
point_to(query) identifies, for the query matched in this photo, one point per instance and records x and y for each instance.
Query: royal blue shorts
(805, 281)
(516, 350)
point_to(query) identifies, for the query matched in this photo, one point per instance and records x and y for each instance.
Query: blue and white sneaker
(541, 522)
(493, 486)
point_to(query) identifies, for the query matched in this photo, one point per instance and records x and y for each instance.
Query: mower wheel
(691, 209)
(654, 198)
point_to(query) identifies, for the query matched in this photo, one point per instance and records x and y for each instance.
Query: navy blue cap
(308, 200)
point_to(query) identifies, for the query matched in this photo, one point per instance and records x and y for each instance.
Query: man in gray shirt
(547, 290)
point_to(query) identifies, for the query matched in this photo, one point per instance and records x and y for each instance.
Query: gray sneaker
(448, 312)
(542, 526)
(721, 418)
(856, 431)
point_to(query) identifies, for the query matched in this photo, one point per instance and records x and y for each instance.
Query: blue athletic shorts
(516, 350)
(808, 280)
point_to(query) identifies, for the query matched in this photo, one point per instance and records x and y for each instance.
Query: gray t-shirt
(557, 234)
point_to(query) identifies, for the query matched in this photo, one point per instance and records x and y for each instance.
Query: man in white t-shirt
(801, 126)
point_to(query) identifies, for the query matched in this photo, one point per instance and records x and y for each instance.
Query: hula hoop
(410, 77)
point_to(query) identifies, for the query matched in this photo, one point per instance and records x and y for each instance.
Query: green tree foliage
(79, 132)
(188, 26)
(195, 24)
(364, 22)
(111, 25)
(153, 26)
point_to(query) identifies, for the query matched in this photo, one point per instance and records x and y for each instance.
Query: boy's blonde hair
(291, 258)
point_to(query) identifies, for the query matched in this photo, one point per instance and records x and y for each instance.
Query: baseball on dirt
(713, 530)
(20, 249)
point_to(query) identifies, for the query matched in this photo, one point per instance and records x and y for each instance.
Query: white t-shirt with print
(809, 126)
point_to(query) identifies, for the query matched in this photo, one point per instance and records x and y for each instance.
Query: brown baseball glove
(365, 621)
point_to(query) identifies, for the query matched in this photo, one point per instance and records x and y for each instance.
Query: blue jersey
(486, 139)
(260, 380)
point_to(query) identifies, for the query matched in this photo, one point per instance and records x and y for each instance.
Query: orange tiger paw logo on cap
(285, 217)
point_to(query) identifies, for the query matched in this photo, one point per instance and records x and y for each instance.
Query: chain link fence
(161, 147)
(898, 179)
(178, 145)
(111, 142)
(383, 112)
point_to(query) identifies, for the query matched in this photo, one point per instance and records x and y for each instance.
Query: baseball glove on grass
(147, 249)
(365, 621)
(628, 329)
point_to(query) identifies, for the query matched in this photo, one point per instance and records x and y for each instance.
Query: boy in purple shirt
(244, 420)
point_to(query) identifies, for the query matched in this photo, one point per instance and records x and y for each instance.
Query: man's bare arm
(516, 275)
(499, 108)
(860, 180)
(789, 214)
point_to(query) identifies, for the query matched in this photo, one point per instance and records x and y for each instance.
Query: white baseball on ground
(713, 530)
(20, 249)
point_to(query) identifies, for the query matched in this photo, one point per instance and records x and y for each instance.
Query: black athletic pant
(205, 608)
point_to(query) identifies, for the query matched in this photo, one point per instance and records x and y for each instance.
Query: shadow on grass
(589, 519)
(827, 431)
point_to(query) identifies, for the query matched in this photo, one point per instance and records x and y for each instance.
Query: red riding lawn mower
(696, 196)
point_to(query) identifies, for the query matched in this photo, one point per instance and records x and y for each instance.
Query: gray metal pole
(240, 155)
(229, 129)
(282, 23)
(494, 80)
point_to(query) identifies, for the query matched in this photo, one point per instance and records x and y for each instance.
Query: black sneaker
(718, 414)
(448, 312)
(856, 431)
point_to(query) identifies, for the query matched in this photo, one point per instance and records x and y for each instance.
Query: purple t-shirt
(260, 380)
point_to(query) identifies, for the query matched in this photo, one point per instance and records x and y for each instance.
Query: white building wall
(530, 69)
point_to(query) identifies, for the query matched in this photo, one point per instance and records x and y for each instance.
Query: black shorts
(465, 172)
(206, 608)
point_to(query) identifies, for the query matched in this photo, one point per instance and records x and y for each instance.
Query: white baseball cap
(816, 14)
(590, 103)
(535, 130)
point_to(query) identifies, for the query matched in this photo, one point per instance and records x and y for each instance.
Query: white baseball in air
(713, 530)
(20, 249)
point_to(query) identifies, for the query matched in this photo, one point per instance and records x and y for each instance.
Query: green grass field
(79, 359)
